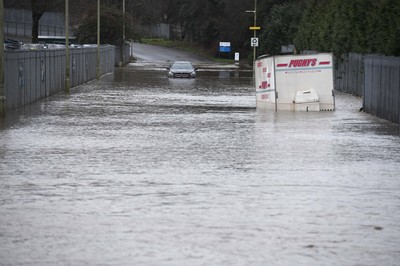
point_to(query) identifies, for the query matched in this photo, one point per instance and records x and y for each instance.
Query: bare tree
(39, 7)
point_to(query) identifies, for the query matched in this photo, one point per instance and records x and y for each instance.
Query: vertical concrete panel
(353, 77)
(81, 66)
(53, 72)
(35, 66)
(40, 66)
(28, 80)
(60, 70)
(352, 73)
(89, 65)
(126, 53)
(395, 89)
(11, 79)
(78, 67)
(117, 55)
(43, 74)
(360, 80)
(381, 87)
(102, 61)
(94, 63)
(48, 74)
(71, 66)
(346, 72)
(85, 66)
(376, 92)
(385, 88)
(75, 67)
(21, 79)
(368, 84)
(33, 75)
(52, 75)
(35, 62)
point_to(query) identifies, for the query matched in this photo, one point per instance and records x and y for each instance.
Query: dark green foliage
(280, 26)
(338, 26)
(111, 25)
(342, 26)
(205, 29)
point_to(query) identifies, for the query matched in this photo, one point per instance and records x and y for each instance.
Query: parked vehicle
(181, 69)
(295, 82)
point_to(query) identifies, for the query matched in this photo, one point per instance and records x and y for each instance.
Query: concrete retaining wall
(350, 74)
(33, 75)
(124, 59)
(382, 87)
(376, 79)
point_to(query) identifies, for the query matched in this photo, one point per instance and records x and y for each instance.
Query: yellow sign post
(255, 28)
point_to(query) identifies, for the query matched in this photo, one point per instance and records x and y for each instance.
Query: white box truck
(295, 82)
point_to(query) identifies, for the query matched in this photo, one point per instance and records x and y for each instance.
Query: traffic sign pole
(255, 31)
(254, 42)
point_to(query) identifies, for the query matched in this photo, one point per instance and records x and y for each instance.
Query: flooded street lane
(139, 169)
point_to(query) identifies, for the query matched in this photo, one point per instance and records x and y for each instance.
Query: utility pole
(2, 92)
(67, 68)
(124, 25)
(123, 33)
(255, 31)
(254, 28)
(98, 41)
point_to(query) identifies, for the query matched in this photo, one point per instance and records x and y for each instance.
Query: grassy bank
(187, 47)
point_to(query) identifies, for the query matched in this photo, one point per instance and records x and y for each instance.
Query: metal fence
(155, 31)
(376, 79)
(18, 22)
(350, 74)
(33, 75)
(382, 87)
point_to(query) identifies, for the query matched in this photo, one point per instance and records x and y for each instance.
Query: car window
(181, 66)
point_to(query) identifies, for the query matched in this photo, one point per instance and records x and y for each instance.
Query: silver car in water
(182, 69)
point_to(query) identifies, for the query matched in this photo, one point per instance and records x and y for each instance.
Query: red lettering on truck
(303, 62)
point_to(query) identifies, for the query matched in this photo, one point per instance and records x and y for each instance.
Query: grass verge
(187, 47)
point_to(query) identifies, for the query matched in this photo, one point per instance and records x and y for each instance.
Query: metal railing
(31, 75)
(376, 79)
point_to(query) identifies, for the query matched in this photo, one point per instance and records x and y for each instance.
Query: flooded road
(137, 169)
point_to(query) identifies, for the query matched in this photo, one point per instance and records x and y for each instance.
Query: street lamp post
(123, 25)
(123, 33)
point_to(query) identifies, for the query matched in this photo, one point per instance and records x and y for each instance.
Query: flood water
(137, 169)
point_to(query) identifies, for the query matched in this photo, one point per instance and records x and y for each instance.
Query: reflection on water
(145, 170)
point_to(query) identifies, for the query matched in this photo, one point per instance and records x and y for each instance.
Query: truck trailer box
(295, 82)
